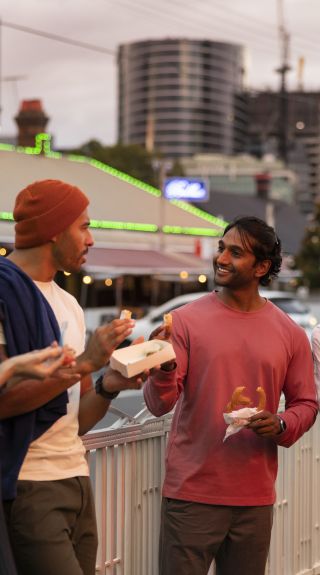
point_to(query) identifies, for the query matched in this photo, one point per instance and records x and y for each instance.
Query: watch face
(103, 392)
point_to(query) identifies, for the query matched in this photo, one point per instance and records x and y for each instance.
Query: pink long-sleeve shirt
(218, 349)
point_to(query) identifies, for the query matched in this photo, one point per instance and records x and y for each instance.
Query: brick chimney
(31, 120)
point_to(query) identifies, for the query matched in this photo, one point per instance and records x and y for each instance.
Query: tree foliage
(308, 259)
(131, 159)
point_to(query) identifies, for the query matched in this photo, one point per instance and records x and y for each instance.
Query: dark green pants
(193, 534)
(52, 527)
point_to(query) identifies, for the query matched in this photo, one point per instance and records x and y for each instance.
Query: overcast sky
(78, 87)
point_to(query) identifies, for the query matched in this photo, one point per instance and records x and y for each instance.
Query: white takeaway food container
(130, 361)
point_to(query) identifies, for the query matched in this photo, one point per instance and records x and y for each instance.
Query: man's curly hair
(262, 240)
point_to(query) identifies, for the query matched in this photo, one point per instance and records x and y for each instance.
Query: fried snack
(156, 347)
(167, 321)
(70, 356)
(238, 400)
(125, 314)
(262, 399)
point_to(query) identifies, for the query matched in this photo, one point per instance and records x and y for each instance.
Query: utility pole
(161, 166)
(0, 73)
(301, 63)
(284, 39)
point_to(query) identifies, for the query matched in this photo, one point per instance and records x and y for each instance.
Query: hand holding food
(38, 364)
(102, 343)
(239, 413)
(265, 424)
(164, 330)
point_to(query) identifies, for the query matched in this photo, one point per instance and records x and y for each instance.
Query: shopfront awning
(115, 261)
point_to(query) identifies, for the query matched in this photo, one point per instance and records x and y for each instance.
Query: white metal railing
(127, 467)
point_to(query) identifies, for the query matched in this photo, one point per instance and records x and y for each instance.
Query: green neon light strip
(113, 172)
(102, 224)
(191, 231)
(43, 145)
(7, 148)
(200, 213)
(137, 227)
(7, 216)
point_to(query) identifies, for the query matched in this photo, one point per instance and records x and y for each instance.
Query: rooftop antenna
(0, 73)
(284, 38)
(300, 72)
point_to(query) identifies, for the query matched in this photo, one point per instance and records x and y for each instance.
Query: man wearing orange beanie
(45, 477)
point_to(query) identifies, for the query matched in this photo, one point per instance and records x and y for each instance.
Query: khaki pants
(193, 534)
(52, 527)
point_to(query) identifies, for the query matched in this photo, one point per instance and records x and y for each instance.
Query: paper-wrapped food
(239, 410)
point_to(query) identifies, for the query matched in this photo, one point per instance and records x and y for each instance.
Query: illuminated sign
(188, 189)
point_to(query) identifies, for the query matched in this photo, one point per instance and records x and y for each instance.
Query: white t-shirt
(59, 453)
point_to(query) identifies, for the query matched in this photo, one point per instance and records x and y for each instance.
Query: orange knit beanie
(44, 209)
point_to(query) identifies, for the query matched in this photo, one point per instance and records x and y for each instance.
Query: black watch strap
(283, 425)
(109, 395)
(169, 366)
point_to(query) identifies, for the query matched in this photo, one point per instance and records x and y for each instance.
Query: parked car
(287, 301)
(298, 310)
(96, 316)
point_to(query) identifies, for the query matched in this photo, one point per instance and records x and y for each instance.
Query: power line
(233, 17)
(167, 13)
(262, 31)
(228, 13)
(58, 38)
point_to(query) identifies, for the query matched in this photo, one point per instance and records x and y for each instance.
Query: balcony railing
(127, 467)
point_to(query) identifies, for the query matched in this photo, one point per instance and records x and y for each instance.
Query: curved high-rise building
(182, 97)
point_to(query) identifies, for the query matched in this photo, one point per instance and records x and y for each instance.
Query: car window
(290, 305)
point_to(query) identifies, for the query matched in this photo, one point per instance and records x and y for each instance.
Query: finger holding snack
(104, 340)
(164, 331)
(69, 356)
(167, 320)
(265, 424)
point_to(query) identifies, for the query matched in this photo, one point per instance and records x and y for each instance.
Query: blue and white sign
(188, 189)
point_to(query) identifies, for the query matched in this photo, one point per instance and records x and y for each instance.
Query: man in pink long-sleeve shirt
(218, 496)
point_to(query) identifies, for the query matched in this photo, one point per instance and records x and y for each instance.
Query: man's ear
(262, 268)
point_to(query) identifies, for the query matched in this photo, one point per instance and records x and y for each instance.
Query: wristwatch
(283, 425)
(109, 395)
(169, 366)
